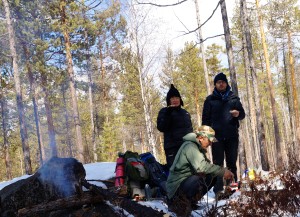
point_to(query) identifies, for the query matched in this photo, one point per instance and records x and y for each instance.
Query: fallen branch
(127, 204)
(60, 204)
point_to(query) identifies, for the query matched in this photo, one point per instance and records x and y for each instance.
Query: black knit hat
(173, 92)
(221, 76)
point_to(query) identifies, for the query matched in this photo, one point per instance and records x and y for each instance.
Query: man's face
(205, 142)
(221, 86)
(175, 101)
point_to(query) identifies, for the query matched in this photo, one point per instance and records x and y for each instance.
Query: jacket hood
(192, 137)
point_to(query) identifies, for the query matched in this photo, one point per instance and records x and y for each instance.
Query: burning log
(61, 204)
(58, 178)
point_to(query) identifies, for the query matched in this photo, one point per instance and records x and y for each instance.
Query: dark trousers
(196, 186)
(229, 147)
(170, 156)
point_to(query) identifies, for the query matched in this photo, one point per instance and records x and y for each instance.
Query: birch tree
(140, 34)
(202, 49)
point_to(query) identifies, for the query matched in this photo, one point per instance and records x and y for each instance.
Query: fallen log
(60, 204)
(132, 207)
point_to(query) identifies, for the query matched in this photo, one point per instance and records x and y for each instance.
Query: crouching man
(191, 174)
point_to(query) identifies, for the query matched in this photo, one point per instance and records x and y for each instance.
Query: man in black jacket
(222, 111)
(175, 122)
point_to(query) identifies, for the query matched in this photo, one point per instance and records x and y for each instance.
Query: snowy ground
(105, 170)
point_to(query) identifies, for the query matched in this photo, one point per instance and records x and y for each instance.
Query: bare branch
(211, 37)
(158, 5)
(201, 42)
(205, 20)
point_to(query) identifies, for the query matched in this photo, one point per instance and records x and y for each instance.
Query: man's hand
(234, 113)
(228, 175)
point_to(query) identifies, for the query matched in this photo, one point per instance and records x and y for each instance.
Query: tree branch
(205, 20)
(158, 5)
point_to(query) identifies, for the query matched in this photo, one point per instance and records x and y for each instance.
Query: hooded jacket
(216, 114)
(174, 123)
(190, 160)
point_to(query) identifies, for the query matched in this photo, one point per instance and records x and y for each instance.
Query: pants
(230, 148)
(170, 156)
(196, 186)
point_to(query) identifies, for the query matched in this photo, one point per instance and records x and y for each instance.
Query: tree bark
(23, 130)
(68, 129)
(202, 50)
(80, 148)
(35, 106)
(4, 129)
(252, 118)
(51, 129)
(229, 47)
(294, 89)
(60, 204)
(278, 144)
(260, 124)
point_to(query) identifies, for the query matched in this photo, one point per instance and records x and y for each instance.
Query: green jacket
(190, 160)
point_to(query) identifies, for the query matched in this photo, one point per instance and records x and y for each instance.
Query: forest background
(86, 78)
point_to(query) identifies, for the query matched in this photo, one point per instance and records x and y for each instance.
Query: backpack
(136, 174)
(157, 174)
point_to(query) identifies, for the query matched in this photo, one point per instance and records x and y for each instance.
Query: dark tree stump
(58, 178)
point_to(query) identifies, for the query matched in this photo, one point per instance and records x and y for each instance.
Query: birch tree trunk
(23, 130)
(260, 124)
(35, 106)
(278, 144)
(80, 148)
(202, 50)
(229, 47)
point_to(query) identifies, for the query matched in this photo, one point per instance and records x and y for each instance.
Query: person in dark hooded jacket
(222, 111)
(175, 122)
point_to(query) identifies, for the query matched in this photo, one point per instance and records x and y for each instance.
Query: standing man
(222, 111)
(192, 175)
(175, 122)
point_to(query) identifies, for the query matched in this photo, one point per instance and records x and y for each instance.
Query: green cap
(206, 131)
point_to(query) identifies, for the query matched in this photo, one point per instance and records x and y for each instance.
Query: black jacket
(216, 114)
(175, 123)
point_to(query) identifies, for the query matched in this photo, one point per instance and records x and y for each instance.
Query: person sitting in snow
(192, 175)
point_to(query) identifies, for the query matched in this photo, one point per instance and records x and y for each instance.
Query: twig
(158, 5)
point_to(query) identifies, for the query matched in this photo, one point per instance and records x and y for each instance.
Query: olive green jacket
(190, 160)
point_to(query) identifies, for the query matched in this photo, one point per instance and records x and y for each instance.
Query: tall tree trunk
(80, 148)
(91, 103)
(274, 112)
(260, 124)
(251, 107)
(68, 129)
(196, 99)
(148, 121)
(23, 130)
(51, 129)
(202, 49)
(4, 129)
(35, 106)
(229, 47)
(294, 89)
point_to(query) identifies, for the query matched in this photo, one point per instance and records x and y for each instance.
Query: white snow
(106, 170)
